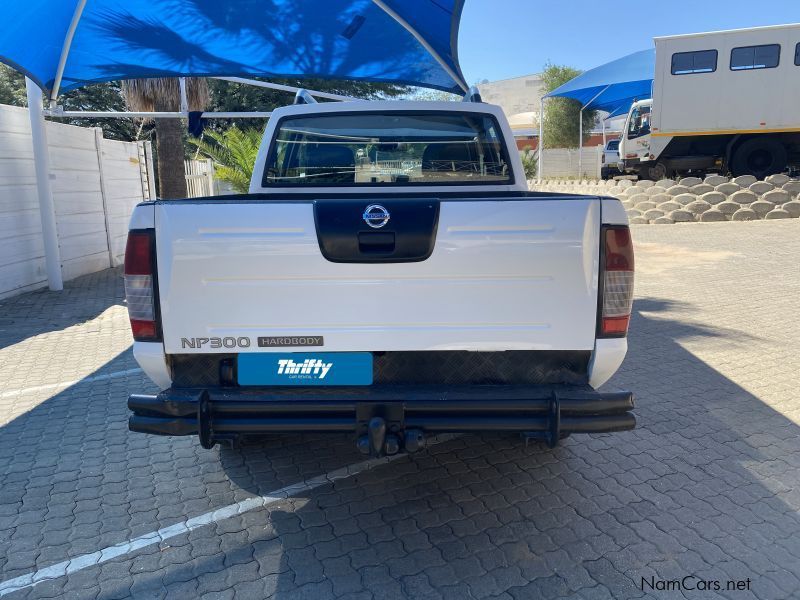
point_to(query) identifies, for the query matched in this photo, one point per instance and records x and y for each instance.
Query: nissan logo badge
(376, 216)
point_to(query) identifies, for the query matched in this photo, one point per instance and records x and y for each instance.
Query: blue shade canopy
(614, 86)
(395, 41)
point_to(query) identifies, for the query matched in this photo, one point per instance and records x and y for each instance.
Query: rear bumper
(405, 411)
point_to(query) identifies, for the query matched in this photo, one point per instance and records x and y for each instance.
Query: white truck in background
(389, 275)
(725, 101)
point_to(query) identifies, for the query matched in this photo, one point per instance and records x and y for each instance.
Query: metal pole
(604, 132)
(114, 114)
(539, 171)
(62, 59)
(456, 77)
(286, 88)
(47, 211)
(580, 144)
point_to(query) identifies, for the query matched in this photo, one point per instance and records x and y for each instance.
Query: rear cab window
(797, 55)
(385, 149)
(699, 61)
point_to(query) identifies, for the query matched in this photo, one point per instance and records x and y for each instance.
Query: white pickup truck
(389, 275)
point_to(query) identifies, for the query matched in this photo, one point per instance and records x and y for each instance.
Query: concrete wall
(563, 162)
(96, 183)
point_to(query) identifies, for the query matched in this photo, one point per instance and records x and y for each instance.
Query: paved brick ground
(708, 485)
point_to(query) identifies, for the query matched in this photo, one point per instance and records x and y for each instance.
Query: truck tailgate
(516, 274)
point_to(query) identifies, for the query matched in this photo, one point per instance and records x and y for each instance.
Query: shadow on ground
(42, 311)
(702, 487)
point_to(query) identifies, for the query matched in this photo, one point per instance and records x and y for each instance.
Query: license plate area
(304, 368)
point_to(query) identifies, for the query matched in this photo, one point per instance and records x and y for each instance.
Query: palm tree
(234, 154)
(163, 95)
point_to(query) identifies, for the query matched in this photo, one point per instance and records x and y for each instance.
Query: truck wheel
(655, 172)
(759, 157)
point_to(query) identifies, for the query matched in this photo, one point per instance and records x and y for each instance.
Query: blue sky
(507, 38)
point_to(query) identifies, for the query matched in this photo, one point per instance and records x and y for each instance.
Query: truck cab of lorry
(388, 275)
(634, 143)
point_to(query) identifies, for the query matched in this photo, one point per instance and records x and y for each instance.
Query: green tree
(561, 128)
(12, 87)
(233, 152)
(530, 162)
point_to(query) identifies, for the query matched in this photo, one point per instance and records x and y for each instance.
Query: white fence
(96, 183)
(200, 178)
(563, 162)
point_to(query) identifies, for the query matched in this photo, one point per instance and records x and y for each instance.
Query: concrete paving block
(654, 191)
(728, 188)
(690, 181)
(762, 207)
(684, 199)
(728, 207)
(653, 214)
(644, 206)
(793, 208)
(677, 190)
(713, 215)
(715, 180)
(668, 206)
(793, 187)
(638, 221)
(645, 183)
(744, 180)
(744, 197)
(777, 196)
(701, 188)
(660, 198)
(633, 212)
(627, 204)
(761, 187)
(698, 207)
(778, 213)
(665, 183)
(625, 183)
(681, 216)
(777, 180)
(713, 197)
(663, 221)
(637, 198)
(744, 214)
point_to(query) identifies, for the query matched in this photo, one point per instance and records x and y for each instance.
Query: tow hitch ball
(380, 442)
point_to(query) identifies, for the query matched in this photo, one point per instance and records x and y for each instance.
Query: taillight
(140, 266)
(616, 290)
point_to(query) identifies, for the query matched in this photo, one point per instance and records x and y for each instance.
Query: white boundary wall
(563, 162)
(96, 183)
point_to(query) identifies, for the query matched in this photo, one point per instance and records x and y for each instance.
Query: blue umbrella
(65, 44)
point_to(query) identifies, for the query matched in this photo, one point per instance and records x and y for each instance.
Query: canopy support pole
(580, 129)
(539, 170)
(580, 143)
(603, 121)
(400, 20)
(47, 211)
(62, 59)
(284, 88)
